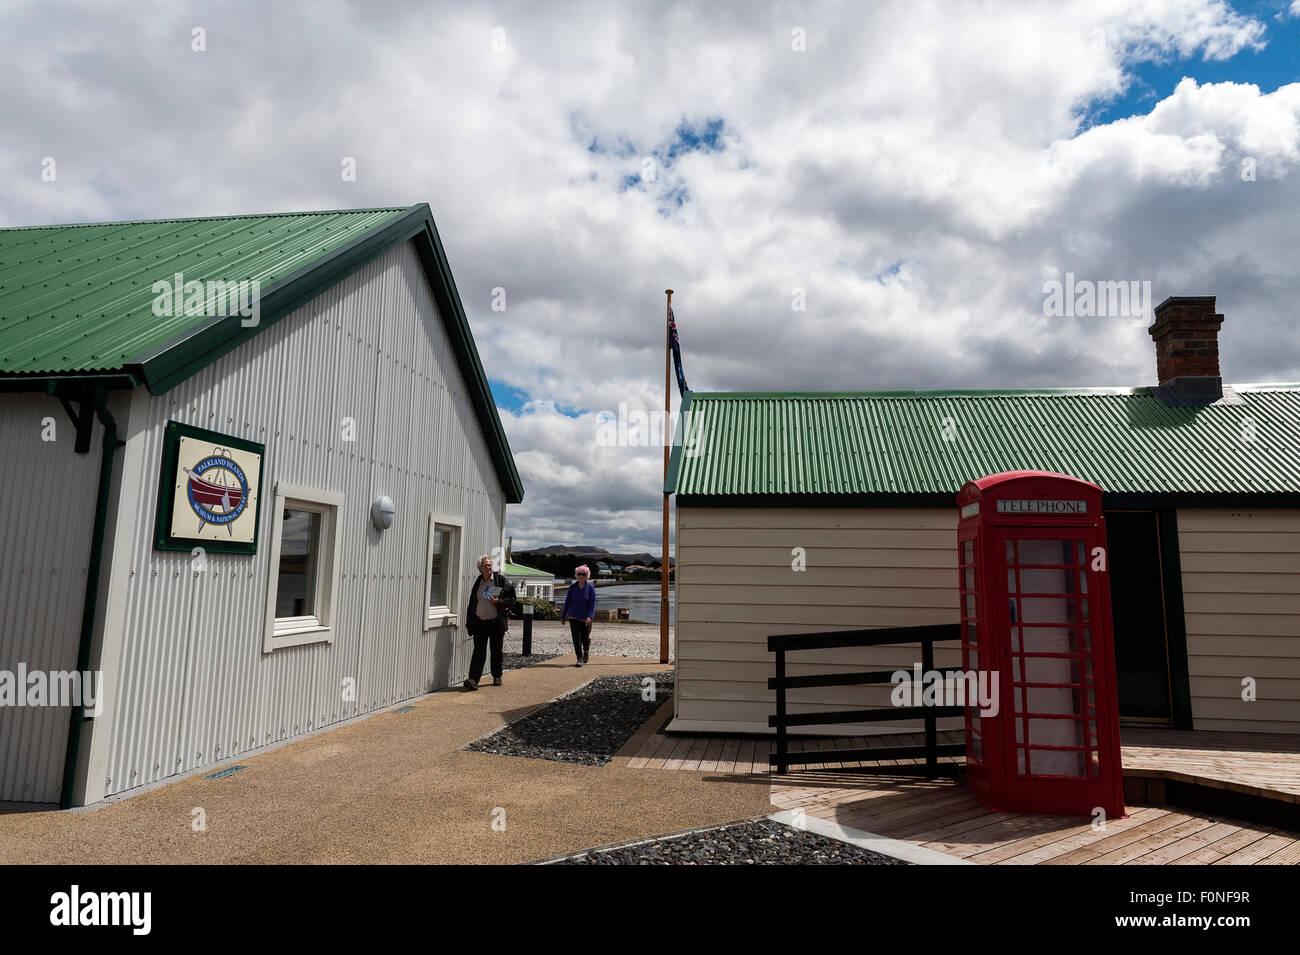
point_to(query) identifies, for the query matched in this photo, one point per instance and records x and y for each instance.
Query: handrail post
(931, 725)
(780, 709)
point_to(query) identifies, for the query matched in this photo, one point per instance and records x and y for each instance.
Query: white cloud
(918, 171)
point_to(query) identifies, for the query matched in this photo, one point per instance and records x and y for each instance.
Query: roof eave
(166, 366)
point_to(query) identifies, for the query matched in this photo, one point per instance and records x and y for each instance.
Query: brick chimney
(1186, 333)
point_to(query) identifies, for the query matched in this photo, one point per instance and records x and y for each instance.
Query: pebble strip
(607, 639)
(587, 726)
(517, 661)
(761, 842)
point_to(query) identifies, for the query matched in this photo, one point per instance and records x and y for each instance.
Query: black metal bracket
(83, 420)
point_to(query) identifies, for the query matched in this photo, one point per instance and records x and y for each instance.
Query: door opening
(1138, 606)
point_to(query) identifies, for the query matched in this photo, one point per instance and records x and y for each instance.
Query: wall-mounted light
(382, 512)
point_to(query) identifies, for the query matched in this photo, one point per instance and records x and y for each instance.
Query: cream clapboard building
(799, 512)
(196, 490)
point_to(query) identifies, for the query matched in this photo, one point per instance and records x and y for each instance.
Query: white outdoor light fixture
(382, 512)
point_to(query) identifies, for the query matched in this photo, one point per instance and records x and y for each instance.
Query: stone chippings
(760, 842)
(607, 639)
(587, 726)
(517, 661)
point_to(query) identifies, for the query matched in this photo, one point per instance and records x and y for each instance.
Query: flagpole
(663, 567)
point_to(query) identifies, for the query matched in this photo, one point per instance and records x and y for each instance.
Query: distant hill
(567, 549)
(561, 559)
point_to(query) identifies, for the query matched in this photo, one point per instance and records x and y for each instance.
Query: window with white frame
(302, 586)
(442, 572)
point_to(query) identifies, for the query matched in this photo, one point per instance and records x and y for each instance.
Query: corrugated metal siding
(47, 513)
(195, 686)
(80, 297)
(1124, 440)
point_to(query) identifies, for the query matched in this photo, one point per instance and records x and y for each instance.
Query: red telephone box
(1035, 611)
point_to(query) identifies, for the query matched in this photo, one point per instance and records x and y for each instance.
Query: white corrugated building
(804, 512)
(235, 394)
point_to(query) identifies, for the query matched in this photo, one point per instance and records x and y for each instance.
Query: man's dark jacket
(507, 598)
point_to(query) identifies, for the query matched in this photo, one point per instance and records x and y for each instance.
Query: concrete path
(396, 788)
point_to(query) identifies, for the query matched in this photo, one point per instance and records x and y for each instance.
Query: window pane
(1048, 552)
(440, 571)
(295, 594)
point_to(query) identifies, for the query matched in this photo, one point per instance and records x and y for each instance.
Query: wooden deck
(749, 754)
(945, 816)
(1251, 763)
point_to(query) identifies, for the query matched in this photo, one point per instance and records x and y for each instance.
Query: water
(642, 599)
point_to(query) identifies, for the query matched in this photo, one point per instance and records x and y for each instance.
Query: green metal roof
(519, 570)
(77, 301)
(890, 443)
(79, 298)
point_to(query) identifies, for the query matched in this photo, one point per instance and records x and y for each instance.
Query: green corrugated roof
(76, 301)
(519, 570)
(1123, 439)
(79, 298)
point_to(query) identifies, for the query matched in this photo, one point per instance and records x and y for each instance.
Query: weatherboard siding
(736, 586)
(192, 685)
(1241, 594)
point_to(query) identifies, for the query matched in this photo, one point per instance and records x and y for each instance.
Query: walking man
(486, 620)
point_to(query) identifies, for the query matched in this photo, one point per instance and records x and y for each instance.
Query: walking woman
(579, 609)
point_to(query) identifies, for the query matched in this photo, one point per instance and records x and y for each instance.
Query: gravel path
(517, 661)
(588, 726)
(607, 639)
(762, 842)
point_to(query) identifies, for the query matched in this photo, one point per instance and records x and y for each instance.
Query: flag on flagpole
(677, 352)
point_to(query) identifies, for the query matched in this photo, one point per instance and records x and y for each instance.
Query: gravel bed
(587, 726)
(607, 639)
(761, 842)
(517, 661)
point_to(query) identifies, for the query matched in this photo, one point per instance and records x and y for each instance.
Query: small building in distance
(529, 581)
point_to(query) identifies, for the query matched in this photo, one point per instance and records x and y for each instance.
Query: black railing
(782, 644)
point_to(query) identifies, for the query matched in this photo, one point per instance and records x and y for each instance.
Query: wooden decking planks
(1253, 763)
(945, 817)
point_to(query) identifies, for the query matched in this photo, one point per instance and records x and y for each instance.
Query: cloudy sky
(845, 196)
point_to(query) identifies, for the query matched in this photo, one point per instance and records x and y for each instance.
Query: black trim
(167, 490)
(434, 257)
(67, 384)
(1118, 502)
(1180, 688)
(818, 500)
(90, 599)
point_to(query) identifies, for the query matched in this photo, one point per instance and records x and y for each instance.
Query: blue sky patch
(1151, 81)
